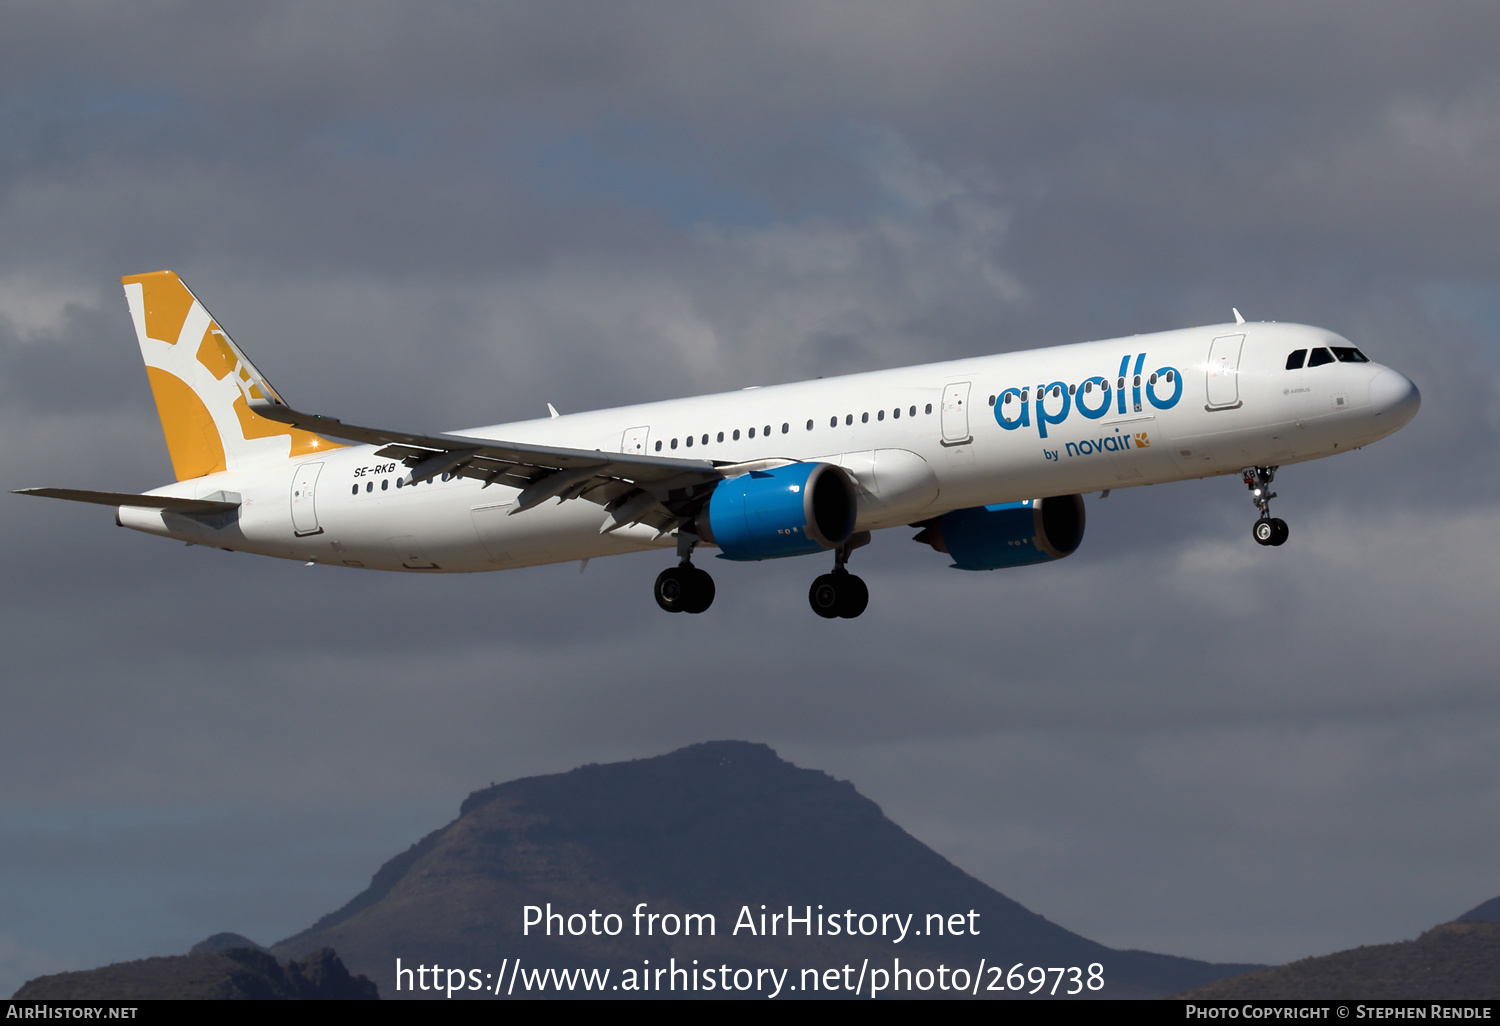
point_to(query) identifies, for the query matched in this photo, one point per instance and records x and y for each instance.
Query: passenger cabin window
(1319, 357)
(1295, 361)
(658, 445)
(1348, 354)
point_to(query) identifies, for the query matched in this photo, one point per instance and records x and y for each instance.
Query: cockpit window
(1319, 358)
(1348, 354)
(1294, 362)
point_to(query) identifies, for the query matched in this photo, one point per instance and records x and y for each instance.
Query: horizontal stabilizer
(170, 502)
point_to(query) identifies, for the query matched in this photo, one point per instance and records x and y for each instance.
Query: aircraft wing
(658, 491)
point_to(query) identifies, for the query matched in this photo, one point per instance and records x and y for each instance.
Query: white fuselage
(1215, 407)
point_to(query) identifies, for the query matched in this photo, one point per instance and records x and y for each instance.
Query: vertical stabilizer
(203, 385)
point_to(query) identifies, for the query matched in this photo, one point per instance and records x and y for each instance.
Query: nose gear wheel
(1270, 531)
(1267, 530)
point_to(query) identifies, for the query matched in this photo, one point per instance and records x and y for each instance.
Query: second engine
(1008, 534)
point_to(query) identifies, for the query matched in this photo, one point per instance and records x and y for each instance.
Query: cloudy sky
(440, 215)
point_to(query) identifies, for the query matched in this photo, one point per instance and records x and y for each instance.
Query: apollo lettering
(1092, 398)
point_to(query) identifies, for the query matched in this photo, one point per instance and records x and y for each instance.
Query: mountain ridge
(714, 828)
(1453, 961)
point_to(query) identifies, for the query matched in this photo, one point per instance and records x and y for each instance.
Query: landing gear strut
(684, 588)
(841, 594)
(1268, 530)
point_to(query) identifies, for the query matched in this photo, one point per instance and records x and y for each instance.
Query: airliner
(987, 457)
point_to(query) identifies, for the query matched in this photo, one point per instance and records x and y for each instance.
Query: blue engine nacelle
(784, 511)
(1010, 534)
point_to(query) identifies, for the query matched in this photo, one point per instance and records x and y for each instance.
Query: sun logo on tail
(203, 385)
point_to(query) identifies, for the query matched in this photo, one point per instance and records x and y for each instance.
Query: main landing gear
(841, 594)
(1268, 530)
(684, 588)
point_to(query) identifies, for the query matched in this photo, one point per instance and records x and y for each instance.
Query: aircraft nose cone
(1394, 397)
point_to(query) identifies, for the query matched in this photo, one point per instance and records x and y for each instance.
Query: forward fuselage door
(956, 414)
(304, 487)
(634, 441)
(1224, 372)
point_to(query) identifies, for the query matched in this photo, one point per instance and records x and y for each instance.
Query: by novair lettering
(1117, 442)
(1092, 397)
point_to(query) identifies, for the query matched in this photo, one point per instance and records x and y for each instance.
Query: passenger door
(956, 414)
(304, 510)
(1224, 372)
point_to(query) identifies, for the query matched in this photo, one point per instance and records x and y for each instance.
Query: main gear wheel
(838, 595)
(684, 589)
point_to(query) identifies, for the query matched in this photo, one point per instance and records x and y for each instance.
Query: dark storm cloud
(435, 216)
(1198, 122)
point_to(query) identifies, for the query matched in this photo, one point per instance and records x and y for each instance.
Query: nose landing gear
(841, 594)
(1268, 530)
(684, 588)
